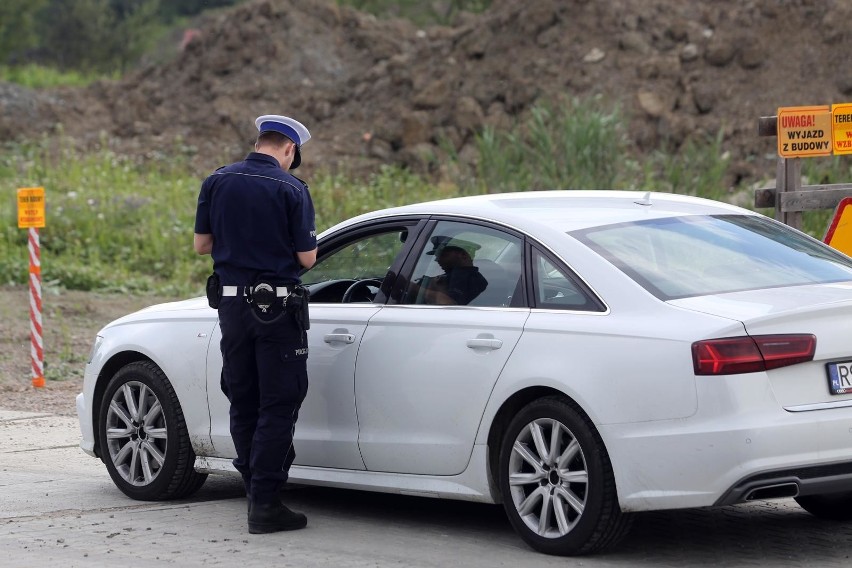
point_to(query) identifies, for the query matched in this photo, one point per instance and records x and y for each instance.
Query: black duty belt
(270, 302)
(280, 291)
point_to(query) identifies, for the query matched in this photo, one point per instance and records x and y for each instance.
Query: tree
(136, 21)
(96, 35)
(89, 35)
(18, 27)
(176, 8)
(75, 35)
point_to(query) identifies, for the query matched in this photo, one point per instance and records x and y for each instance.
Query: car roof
(562, 210)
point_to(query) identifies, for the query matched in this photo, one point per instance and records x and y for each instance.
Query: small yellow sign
(30, 207)
(839, 234)
(841, 128)
(804, 131)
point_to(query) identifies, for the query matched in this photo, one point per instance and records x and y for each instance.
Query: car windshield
(688, 256)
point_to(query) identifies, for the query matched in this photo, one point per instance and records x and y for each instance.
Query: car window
(699, 255)
(557, 289)
(466, 264)
(364, 260)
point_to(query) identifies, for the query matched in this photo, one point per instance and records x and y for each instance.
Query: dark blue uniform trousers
(264, 376)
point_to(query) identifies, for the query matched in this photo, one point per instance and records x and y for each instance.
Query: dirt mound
(375, 91)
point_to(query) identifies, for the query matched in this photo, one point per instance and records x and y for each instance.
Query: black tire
(832, 506)
(143, 437)
(572, 488)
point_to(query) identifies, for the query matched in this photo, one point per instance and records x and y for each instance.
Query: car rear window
(680, 257)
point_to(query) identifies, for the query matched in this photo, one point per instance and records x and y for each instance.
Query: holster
(297, 304)
(213, 291)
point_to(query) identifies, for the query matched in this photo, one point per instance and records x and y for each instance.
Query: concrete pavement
(59, 507)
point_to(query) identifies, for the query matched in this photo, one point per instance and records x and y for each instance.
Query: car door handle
(339, 338)
(485, 343)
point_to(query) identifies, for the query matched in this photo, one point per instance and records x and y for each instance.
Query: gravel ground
(377, 91)
(71, 319)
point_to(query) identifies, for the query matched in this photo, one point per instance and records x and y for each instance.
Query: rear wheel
(556, 481)
(832, 506)
(143, 437)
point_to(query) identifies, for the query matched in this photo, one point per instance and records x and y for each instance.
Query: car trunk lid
(823, 310)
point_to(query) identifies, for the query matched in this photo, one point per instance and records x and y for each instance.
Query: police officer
(257, 221)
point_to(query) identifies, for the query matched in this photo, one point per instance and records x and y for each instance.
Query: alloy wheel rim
(136, 433)
(548, 478)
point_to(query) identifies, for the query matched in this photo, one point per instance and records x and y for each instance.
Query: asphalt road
(58, 507)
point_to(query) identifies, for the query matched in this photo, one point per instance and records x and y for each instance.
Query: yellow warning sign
(30, 207)
(839, 233)
(841, 128)
(804, 131)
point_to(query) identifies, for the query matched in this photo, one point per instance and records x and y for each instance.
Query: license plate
(840, 377)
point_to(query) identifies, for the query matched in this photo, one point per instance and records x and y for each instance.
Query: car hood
(195, 308)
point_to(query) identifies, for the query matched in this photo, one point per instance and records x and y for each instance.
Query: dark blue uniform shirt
(259, 216)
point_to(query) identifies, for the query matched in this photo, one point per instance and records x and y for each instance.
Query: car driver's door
(346, 287)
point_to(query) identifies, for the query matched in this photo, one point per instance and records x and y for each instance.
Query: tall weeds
(568, 146)
(114, 225)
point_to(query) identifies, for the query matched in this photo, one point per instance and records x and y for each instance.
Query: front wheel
(832, 506)
(143, 437)
(556, 481)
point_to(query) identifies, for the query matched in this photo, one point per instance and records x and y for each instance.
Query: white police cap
(289, 127)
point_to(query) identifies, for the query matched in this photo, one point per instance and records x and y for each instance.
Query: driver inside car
(461, 281)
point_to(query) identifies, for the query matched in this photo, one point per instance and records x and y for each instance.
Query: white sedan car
(628, 352)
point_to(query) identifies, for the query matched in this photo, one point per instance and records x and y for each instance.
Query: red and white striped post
(36, 341)
(31, 216)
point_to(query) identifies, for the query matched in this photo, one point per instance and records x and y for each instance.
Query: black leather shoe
(273, 517)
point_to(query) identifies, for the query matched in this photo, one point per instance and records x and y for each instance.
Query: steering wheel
(366, 295)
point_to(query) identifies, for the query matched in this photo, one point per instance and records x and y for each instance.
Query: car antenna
(646, 200)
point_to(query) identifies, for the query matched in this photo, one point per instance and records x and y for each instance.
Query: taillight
(734, 355)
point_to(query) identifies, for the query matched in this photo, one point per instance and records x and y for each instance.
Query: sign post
(804, 132)
(31, 216)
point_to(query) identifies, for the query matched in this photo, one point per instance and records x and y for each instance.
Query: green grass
(110, 224)
(697, 169)
(115, 225)
(583, 144)
(338, 197)
(42, 77)
(569, 145)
